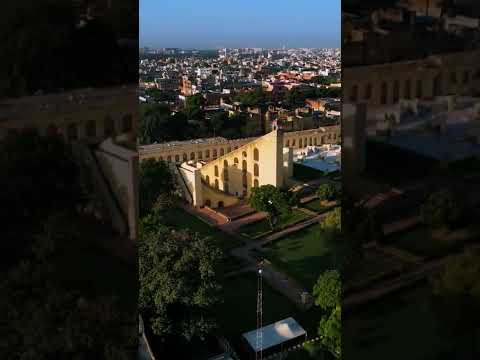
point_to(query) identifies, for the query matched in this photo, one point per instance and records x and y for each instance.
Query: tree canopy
(179, 288)
(328, 296)
(271, 200)
(333, 220)
(442, 208)
(328, 192)
(155, 179)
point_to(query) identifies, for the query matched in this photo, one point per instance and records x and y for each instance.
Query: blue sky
(240, 23)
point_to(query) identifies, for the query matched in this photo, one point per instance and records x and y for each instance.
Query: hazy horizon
(213, 25)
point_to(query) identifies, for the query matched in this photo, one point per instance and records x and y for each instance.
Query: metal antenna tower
(259, 342)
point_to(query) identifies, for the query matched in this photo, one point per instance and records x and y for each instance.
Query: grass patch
(83, 266)
(305, 173)
(409, 322)
(365, 271)
(180, 219)
(419, 241)
(304, 255)
(318, 206)
(262, 227)
(237, 314)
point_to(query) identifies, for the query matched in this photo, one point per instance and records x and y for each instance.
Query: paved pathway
(402, 281)
(275, 278)
(292, 229)
(234, 225)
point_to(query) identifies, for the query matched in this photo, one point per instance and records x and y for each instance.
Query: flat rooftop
(275, 334)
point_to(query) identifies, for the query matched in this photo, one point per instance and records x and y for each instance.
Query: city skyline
(239, 24)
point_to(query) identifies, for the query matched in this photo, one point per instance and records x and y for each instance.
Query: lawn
(305, 173)
(83, 266)
(407, 322)
(317, 206)
(370, 269)
(237, 314)
(180, 219)
(262, 227)
(419, 241)
(304, 255)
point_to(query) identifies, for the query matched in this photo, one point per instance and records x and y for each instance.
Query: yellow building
(90, 115)
(229, 178)
(218, 172)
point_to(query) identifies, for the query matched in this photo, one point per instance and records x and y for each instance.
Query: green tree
(217, 122)
(328, 192)
(457, 297)
(44, 320)
(153, 119)
(328, 296)
(38, 175)
(194, 107)
(328, 290)
(155, 181)
(441, 209)
(330, 331)
(333, 220)
(178, 276)
(271, 200)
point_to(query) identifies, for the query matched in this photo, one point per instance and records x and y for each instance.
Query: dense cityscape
(240, 158)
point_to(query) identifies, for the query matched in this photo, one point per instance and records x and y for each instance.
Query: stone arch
(407, 93)
(419, 92)
(255, 183)
(437, 85)
(354, 93)
(396, 91)
(108, 126)
(207, 179)
(91, 128)
(235, 162)
(453, 77)
(244, 154)
(384, 93)
(368, 91)
(52, 130)
(466, 76)
(256, 170)
(72, 132)
(127, 123)
(256, 154)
